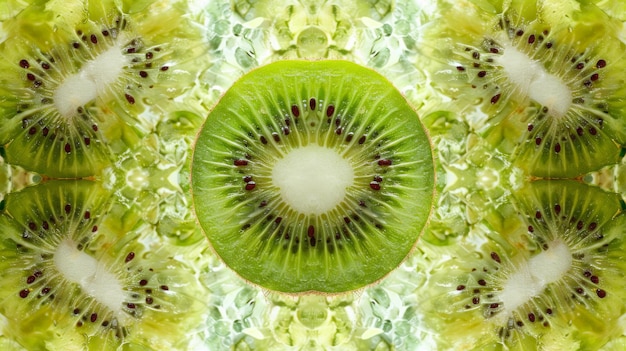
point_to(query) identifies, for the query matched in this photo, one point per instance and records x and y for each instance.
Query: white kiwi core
(93, 80)
(532, 80)
(312, 179)
(91, 275)
(533, 276)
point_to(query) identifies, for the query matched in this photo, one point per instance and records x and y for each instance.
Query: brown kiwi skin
(356, 291)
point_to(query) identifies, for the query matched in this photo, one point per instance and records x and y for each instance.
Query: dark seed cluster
(79, 136)
(301, 120)
(483, 294)
(557, 138)
(333, 120)
(583, 284)
(37, 281)
(44, 70)
(585, 118)
(135, 309)
(45, 285)
(586, 231)
(143, 59)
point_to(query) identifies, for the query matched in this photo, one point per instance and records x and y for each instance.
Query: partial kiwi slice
(68, 277)
(70, 87)
(312, 176)
(559, 283)
(551, 88)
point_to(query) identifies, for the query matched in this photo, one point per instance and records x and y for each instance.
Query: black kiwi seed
(495, 257)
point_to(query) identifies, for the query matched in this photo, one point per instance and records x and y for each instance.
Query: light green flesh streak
(312, 179)
(533, 276)
(92, 276)
(91, 81)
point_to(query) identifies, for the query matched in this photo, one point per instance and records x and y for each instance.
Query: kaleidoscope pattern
(101, 102)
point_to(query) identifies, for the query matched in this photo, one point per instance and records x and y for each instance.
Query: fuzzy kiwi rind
(70, 91)
(68, 276)
(289, 105)
(572, 305)
(571, 128)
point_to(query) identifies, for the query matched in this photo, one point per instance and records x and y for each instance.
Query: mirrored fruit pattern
(312, 175)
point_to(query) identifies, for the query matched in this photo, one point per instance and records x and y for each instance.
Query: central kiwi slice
(312, 176)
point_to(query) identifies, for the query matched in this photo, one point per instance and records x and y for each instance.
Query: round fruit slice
(312, 176)
(75, 91)
(70, 274)
(553, 281)
(551, 88)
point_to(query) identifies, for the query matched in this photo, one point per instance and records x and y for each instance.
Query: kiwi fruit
(551, 90)
(69, 277)
(558, 281)
(312, 176)
(70, 88)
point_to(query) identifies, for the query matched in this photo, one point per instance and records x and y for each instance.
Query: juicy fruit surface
(562, 269)
(253, 201)
(69, 90)
(561, 89)
(64, 264)
(489, 166)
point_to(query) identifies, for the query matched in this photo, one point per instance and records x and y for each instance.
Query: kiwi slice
(551, 89)
(36, 136)
(67, 276)
(312, 176)
(70, 88)
(561, 282)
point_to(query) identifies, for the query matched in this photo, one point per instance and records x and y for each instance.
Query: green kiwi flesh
(555, 86)
(312, 176)
(68, 277)
(36, 136)
(73, 92)
(561, 284)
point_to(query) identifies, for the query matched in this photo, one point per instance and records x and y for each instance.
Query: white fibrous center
(91, 275)
(532, 80)
(533, 276)
(312, 179)
(93, 80)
